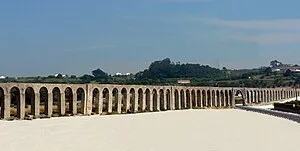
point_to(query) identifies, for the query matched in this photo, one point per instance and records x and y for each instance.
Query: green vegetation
(165, 72)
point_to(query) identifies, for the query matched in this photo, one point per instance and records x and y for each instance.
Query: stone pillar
(201, 99)
(158, 102)
(206, 99)
(196, 100)
(100, 107)
(49, 106)
(144, 102)
(119, 101)
(219, 100)
(184, 101)
(232, 99)
(21, 110)
(210, 100)
(128, 102)
(224, 99)
(74, 103)
(6, 107)
(191, 100)
(165, 101)
(110, 102)
(252, 97)
(37, 105)
(151, 102)
(172, 99)
(136, 102)
(62, 104)
(88, 103)
(179, 101)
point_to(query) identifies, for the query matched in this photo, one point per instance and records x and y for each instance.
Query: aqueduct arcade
(24, 99)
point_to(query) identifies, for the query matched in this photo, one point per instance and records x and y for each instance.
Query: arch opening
(131, 102)
(56, 107)
(124, 100)
(176, 100)
(188, 99)
(162, 103)
(168, 99)
(105, 95)
(15, 108)
(115, 98)
(198, 99)
(95, 101)
(2, 106)
(155, 105)
(204, 99)
(69, 101)
(147, 99)
(29, 102)
(140, 100)
(44, 102)
(80, 101)
(239, 98)
(182, 100)
(226, 98)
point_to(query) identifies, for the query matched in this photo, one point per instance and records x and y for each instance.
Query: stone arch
(80, 100)
(15, 96)
(124, 100)
(132, 99)
(140, 100)
(115, 99)
(105, 95)
(30, 104)
(182, 100)
(239, 97)
(44, 102)
(194, 99)
(168, 99)
(188, 99)
(268, 96)
(204, 98)
(69, 101)
(96, 101)
(198, 99)
(176, 97)
(155, 100)
(148, 103)
(56, 107)
(161, 101)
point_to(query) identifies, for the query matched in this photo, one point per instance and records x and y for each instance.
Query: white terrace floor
(208, 130)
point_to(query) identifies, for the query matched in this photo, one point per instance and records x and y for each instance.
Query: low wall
(287, 107)
(289, 116)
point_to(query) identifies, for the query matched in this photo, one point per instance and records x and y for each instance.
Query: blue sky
(39, 37)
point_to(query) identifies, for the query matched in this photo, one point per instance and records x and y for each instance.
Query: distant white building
(2, 77)
(128, 74)
(118, 74)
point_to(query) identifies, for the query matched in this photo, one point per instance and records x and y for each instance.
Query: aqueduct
(36, 99)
